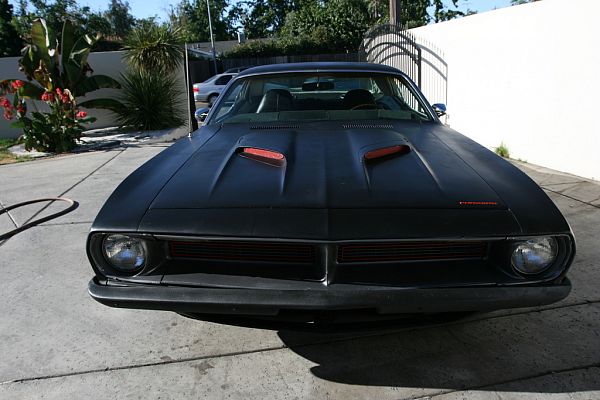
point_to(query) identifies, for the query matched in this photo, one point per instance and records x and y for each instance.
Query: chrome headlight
(124, 253)
(534, 255)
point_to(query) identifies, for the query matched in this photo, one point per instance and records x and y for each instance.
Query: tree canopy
(263, 18)
(339, 23)
(10, 42)
(325, 26)
(114, 23)
(293, 25)
(276, 18)
(191, 17)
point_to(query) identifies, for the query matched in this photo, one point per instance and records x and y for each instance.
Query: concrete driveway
(57, 343)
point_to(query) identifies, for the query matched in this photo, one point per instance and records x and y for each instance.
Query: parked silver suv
(209, 90)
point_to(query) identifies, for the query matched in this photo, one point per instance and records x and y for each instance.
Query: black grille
(244, 251)
(274, 127)
(367, 126)
(410, 251)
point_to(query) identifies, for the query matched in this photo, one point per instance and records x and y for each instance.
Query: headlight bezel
(532, 243)
(557, 269)
(103, 268)
(137, 242)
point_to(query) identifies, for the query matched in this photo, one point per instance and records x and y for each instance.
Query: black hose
(72, 206)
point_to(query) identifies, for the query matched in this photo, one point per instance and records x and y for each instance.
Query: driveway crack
(318, 343)
(12, 219)
(570, 197)
(68, 190)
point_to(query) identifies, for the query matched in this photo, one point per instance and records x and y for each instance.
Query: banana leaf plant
(57, 74)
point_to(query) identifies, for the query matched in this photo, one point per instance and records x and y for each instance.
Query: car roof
(318, 66)
(217, 76)
(235, 70)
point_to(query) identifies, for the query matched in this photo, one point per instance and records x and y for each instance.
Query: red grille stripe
(410, 251)
(412, 245)
(244, 251)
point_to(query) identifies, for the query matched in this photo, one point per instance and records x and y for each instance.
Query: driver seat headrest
(356, 97)
(276, 100)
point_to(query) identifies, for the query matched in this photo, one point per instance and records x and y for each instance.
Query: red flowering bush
(47, 96)
(55, 131)
(56, 74)
(17, 84)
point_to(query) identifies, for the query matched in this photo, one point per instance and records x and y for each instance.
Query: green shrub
(289, 46)
(255, 48)
(150, 101)
(502, 150)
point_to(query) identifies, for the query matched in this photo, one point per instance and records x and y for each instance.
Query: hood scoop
(265, 156)
(385, 152)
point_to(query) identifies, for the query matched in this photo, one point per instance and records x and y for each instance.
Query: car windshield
(322, 96)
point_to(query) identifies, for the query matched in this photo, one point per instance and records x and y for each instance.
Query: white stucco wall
(528, 76)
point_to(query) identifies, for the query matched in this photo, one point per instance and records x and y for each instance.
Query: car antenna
(187, 88)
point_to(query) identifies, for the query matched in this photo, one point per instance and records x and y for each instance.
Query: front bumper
(270, 302)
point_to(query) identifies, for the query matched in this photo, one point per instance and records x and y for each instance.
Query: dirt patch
(6, 157)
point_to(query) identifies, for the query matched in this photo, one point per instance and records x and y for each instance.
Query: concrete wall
(527, 76)
(105, 63)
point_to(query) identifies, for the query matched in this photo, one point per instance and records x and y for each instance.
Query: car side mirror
(201, 114)
(440, 109)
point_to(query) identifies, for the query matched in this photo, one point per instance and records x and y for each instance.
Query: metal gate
(392, 45)
(421, 60)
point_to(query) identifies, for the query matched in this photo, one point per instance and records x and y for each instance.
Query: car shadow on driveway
(524, 353)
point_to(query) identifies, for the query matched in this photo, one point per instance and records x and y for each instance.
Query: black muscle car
(325, 187)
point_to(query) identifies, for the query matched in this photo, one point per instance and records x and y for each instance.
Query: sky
(149, 8)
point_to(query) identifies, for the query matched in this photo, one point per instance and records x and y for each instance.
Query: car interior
(302, 97)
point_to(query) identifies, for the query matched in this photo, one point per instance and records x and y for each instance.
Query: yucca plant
(151, 95)
(156, 48)
(57, 73)
(150, 101)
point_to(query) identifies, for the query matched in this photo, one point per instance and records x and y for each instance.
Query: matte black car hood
(324, 169)
(325, 191)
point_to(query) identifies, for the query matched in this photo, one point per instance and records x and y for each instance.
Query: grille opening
(350, 125)
(274, 127)
(411, 251)
(296, 253)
